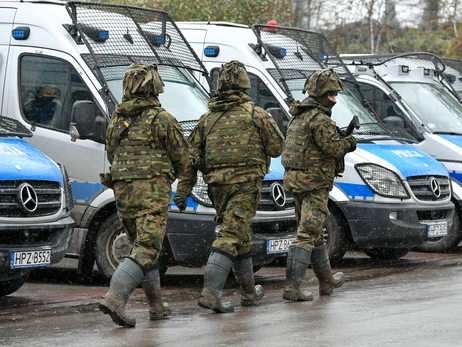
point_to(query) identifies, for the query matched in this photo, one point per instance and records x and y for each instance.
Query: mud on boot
(216, 273)
(152, 289)
(124, 280)
(243, 273)
(298, 260)
(321, 268)
(156, 312)
(252, 299)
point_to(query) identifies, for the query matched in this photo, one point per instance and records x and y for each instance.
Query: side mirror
(394, 121)
(83, 119)
(279, 117)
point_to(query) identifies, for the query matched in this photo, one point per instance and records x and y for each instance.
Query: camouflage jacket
(143, 140)
(270, 137)
(312, 147)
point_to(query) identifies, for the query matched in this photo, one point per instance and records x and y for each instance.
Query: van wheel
(386, 253)
(10, 286)
(112, 245)
(446, 243)
(335, 236)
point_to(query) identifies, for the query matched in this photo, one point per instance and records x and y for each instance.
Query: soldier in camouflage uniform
(314, 147)
(231, 145)
(147, 151)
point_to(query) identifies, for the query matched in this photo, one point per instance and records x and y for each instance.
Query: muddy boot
(215, 275)
(297, 263)
(124, 280)
(321, 268)
(243, 272)
(151, 286)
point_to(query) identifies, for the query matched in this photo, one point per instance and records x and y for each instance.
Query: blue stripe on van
(85, 191)
(356, 191)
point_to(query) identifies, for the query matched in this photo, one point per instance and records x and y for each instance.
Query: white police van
(74, 56)
(416, 92)
(392, 196)
(35, 205)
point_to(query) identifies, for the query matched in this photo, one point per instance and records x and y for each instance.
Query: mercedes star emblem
(278, 195)
(435, 187)
(27, 198)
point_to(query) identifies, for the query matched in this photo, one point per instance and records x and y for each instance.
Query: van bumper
(37, 236)
(371, 225)
(191, 236)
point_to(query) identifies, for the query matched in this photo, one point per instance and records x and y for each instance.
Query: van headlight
(382, 181)
(199, 192)
(68, 197)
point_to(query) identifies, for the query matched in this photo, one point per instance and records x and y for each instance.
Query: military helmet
(142, 79)
(232, 76)
(322, 81)
(48, 91)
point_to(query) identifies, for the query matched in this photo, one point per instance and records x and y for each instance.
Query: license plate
(279, 245)
(20, 259)
(437, 230)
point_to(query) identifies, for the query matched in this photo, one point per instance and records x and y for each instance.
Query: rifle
(354, 124)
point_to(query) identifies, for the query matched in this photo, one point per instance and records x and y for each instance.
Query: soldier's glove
(352, 142)
(339, 166)
(180, 200)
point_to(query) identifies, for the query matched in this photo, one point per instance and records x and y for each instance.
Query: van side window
(49, 88)
(259, 92)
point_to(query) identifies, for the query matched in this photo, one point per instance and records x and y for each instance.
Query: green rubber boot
(216, 273)
(125, 279)
(321, 268)
(243, 272)
(151, 286)
(297, 263)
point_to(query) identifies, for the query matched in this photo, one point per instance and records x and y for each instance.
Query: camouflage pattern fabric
(312, 166)
(142, 80)
(236, 205)
(311, 213)
(272, 144)
(233, 76)
(313, 149)
(158, 148)
(321, 82)
(142, 206)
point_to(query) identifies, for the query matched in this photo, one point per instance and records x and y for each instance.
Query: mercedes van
(390, 197)
(69, 60)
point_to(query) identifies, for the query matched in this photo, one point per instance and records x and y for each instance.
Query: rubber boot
(243, 272)
(216, 273)
(151, 286)
(125, 279)
(321, 268)
(297, 263)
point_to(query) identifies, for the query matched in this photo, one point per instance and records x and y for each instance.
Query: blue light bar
(282, 52)
(20, 33)
(103, 35)
(160, 40)
(211, 51)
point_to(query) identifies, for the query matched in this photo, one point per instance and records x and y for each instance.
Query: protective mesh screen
(11, 127)
(297, 53)
(131, 34)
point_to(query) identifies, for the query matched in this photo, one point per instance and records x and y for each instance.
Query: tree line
(352, 26)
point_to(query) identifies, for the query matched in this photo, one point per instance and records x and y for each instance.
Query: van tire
(10, 286)
(335, 235)
(112, 245)
(448, 242)
(382, 253)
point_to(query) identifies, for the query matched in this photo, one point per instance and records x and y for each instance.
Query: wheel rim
(118, 247)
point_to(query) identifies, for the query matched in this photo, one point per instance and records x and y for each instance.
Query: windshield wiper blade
(446, 133)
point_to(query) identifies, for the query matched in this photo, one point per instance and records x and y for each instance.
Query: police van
(418, 93)
(392, 196)
(69, 60)
(35, 205)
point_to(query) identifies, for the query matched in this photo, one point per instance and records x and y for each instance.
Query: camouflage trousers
(236, 205)
(142, 206)
(311, 213)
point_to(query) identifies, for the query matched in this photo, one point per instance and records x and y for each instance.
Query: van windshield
(347, 105)
(437, 109)
(183, 96)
